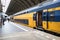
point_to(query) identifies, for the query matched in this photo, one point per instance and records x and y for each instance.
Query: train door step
(40, 28)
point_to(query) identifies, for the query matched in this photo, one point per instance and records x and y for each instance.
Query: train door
(39, 19)
(45, 20)
(51, 24)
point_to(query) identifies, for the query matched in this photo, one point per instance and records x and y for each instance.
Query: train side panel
(28, 17)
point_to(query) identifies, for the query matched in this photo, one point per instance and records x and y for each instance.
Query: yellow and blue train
(45, 16)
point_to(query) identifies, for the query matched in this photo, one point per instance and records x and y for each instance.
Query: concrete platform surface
(32, 35)
(13, 31)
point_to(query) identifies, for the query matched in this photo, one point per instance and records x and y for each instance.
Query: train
(46, 16)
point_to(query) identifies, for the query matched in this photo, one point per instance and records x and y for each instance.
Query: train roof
(47, 5)
(41, 6)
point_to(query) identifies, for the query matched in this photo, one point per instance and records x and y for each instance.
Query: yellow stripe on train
(51, 9)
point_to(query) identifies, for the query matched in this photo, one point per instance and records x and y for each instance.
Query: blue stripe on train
(46, 16)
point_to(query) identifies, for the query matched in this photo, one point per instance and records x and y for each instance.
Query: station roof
(19, 5)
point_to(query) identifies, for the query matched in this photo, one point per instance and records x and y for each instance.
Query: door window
(51, 16)
(45, 16)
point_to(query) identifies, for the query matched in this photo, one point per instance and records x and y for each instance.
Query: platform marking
(19, 26)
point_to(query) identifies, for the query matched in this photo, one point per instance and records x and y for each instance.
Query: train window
(44, 16)
(52, 16)
(51, 13)
(44, 13)
(34, 16)
(24, 21)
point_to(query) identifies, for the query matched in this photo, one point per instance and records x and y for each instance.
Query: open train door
(39, 20)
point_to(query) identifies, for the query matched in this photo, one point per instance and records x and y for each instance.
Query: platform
(13, 31)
